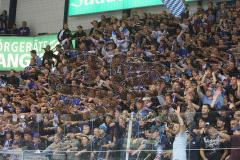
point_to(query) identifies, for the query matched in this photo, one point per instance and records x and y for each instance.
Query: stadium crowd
(175, 79)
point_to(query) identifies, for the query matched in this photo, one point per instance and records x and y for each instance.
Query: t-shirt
(211, 143)
(206, 100)
(179, 147)
(235, 143)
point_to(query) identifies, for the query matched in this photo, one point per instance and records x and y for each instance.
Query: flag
(177, 7)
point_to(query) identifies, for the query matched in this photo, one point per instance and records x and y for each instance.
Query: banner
(79, 7)
(15, 51)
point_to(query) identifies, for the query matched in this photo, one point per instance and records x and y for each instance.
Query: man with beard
(211, 141)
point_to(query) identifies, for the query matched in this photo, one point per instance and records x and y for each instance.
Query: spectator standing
(80, 33)
(4, 20)
(180, 142)
(48, 56)
(35, 58)
(211, 142)
(65, 37)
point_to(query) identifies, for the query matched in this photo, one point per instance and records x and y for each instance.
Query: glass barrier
(128, 136)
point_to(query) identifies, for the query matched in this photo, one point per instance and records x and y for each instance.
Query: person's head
(224, 110)
(122, 120)
(210, 5)
(5, 100)
(139, 104)
(234, 38)
(209, 92)
(236, 130)
(80, 28)
(233, 123)
(155, 134)
(168, 99)
(17, 136)
(36, 138)
(18, 110)
(142, 122)
(33, 53)
(109, 119)
(16, 145)
(176, 86)
(162, 26)
(8, 135)
(86, 129)
(58, 47)
(233, 80)
(4, 12)
(201, 123)
(96, 132)
(237, 115)
(53, 100)
(27, 136)
(220, 123)
(85, 141)
(57, 138)
(205, 109)
(176, 128)
(72, 136)
(147, 101)
(94, 23)
(12, 73)
(24, 24)
(211, 131)
(48, 47)
(65, 26)
(188, 83)
(59, 130)
(102, 131)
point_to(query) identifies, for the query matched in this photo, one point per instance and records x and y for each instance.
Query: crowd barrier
(130, 143)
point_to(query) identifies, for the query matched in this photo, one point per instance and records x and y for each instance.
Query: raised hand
(178, 110)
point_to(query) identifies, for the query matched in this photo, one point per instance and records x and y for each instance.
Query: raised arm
(199, 91)
(180, 120)
(224, 136)
(215, 97)
(214, 77)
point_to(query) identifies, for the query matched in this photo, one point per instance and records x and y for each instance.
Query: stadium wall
(43, 16)
(4, 5)
(46, 16)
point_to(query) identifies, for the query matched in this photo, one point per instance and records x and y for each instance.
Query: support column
(12, 12)
(66, 6)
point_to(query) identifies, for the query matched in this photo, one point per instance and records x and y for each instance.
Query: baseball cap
(103, 127)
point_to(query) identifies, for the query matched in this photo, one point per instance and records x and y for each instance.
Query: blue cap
(103, 127)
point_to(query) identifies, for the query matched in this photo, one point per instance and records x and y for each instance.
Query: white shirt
(179, 147)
